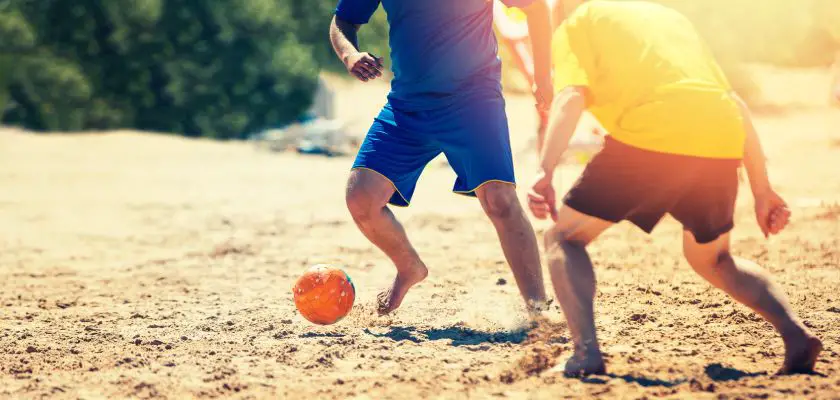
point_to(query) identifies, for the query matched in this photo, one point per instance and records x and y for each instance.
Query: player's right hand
(364, 66)
(771, 212)
(542, 198)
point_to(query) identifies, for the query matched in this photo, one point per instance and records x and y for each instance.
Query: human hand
(771, 212)
(364, 66)
(542, 198)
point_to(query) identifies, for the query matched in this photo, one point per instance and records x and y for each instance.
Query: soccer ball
(324, 294)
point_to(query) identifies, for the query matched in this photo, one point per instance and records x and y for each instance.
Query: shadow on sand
(642, 381)
(322, 335)
(460, 336)
(715, 372)
(719, 373)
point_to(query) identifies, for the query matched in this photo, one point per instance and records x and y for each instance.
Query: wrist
(760, 188)
(542, 82)
(345, 58)
(546, 170)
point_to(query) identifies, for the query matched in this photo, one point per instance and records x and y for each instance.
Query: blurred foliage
(216, 68)
(226, 68)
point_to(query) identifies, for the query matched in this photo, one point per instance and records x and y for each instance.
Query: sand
(152, 266)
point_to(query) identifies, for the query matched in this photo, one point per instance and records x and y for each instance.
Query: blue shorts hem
(472, 192)
(397, 199)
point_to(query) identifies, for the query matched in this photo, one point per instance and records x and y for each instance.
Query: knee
(361, 204)
(558, 243)
(554, 250)
(499, 200)
(713, 261)
(563, 240)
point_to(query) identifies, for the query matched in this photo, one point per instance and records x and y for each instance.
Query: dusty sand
(139, 265)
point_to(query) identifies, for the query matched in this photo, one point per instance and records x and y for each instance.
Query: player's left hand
(771, 212)
(542, 199)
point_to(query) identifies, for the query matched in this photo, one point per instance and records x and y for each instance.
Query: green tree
(217, 68)
(16, 38)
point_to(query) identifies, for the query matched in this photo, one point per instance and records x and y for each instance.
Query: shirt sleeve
(517, 3)
(356, 11)
(572, 56)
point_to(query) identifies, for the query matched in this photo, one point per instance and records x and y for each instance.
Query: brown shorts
(627, 183)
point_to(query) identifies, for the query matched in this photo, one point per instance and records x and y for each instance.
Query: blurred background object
(315, 132)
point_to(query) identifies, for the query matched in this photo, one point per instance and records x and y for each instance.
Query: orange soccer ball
(324, 294)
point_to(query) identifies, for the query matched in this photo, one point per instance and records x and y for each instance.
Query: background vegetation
(226, 68)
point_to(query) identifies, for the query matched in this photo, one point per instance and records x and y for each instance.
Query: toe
(382, 303)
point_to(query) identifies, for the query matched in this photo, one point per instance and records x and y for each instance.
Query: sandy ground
(139, 265)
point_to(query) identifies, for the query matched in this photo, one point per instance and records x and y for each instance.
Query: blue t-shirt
(440, 49)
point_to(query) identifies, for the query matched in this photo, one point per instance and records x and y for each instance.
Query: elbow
(342, 25)
(334, 27)
(571, 100)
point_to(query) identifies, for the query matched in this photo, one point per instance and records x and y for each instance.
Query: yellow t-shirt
(651, 80)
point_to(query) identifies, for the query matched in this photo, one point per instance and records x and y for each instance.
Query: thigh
(707, 207)
(576, 227)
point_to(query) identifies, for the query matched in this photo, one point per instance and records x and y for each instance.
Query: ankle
(588, 348)
(795, 331)
(538, 304)
(412, 270)
(409, 264)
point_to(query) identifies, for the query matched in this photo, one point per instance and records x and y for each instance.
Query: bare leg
(367, 199)
(518, 240)
(747, 283)
(573, 278)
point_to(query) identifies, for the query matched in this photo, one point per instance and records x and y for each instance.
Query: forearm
(754, 159)
(343, 38)
(565, 113)
(539, 30)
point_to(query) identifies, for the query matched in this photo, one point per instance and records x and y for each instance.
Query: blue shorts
(472, 133)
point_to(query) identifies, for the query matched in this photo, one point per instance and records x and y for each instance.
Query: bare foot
(585, 364)
(537, 308)
(801, 354)
(390, 299)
